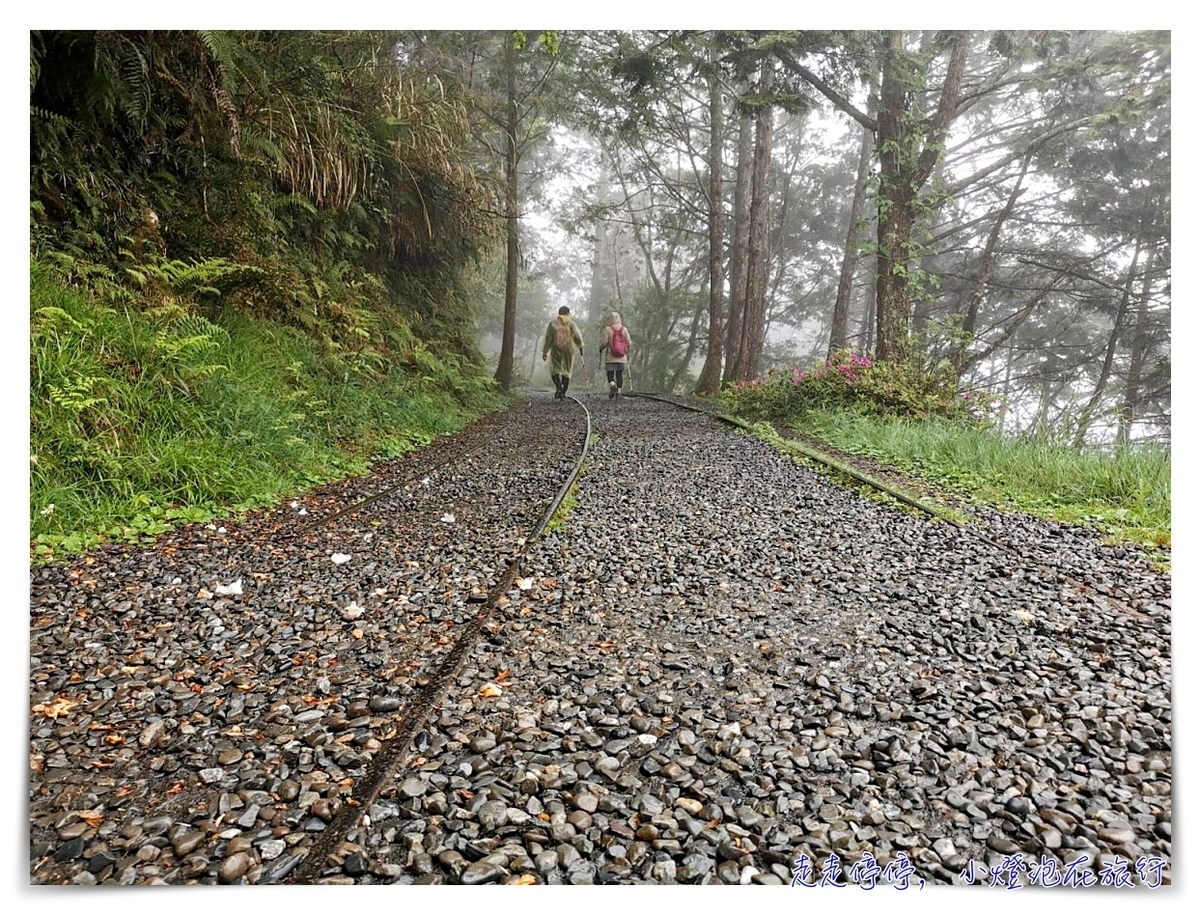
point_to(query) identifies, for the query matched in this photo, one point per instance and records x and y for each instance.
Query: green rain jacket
(562, 360)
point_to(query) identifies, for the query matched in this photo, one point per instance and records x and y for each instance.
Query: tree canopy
(990, 204)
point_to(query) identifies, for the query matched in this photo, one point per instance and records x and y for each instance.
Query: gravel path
(718, 664)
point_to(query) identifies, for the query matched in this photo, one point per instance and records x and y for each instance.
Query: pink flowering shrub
(855, 382)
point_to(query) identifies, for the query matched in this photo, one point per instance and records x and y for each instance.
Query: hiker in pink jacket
(614, 350)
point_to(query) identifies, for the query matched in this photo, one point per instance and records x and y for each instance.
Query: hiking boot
(612, 389)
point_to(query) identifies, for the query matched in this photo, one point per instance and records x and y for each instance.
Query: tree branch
(825, 89)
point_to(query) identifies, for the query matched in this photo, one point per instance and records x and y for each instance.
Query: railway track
(329, 720)
(425, 643)
(412, 719)
(1101, 602)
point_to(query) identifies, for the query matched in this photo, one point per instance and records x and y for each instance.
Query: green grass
(1125, 493)
(142, 418)
(571, 498)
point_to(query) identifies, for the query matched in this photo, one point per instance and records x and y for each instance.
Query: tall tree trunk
(1085, 417)
(902, 174)
(599, 291)
(504, 369)
(838, 337)
(895, 204)
(871, 308)
(758, 254)
(741, 241)
(959, 349)
(1137, 361)
(710, 374)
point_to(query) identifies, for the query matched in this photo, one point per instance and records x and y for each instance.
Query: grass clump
(1124, 492)
(146, 415)
(918, 420)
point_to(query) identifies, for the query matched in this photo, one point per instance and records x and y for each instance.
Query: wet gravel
(715, 663)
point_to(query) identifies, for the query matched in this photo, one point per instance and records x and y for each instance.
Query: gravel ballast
(715, 665)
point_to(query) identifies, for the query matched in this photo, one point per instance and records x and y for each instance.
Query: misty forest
(262, 260)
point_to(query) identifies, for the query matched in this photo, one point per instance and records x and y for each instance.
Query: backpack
(618, 347)
(562, 336)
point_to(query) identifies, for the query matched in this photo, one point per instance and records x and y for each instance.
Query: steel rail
(305, 869)
(794, 447)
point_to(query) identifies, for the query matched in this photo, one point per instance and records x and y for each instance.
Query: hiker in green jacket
(562, 339)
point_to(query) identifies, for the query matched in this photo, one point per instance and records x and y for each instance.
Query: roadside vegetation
(920, 423)
(249, 262)
(261, 259)
(141, 419)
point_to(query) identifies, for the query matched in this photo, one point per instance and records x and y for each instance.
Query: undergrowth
(1124, 493)
(919, 421)
(144, 415)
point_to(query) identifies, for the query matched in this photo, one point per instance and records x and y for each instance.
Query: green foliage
(246, 257)
(1125, 493)
(858, 384)
(142, 419)
(299, 176)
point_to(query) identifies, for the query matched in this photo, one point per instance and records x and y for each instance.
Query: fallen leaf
(490, 690)
(549, 583)
(525, 583)
(502, 675)
(55, 709)
(524, 879)
(92, 817)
